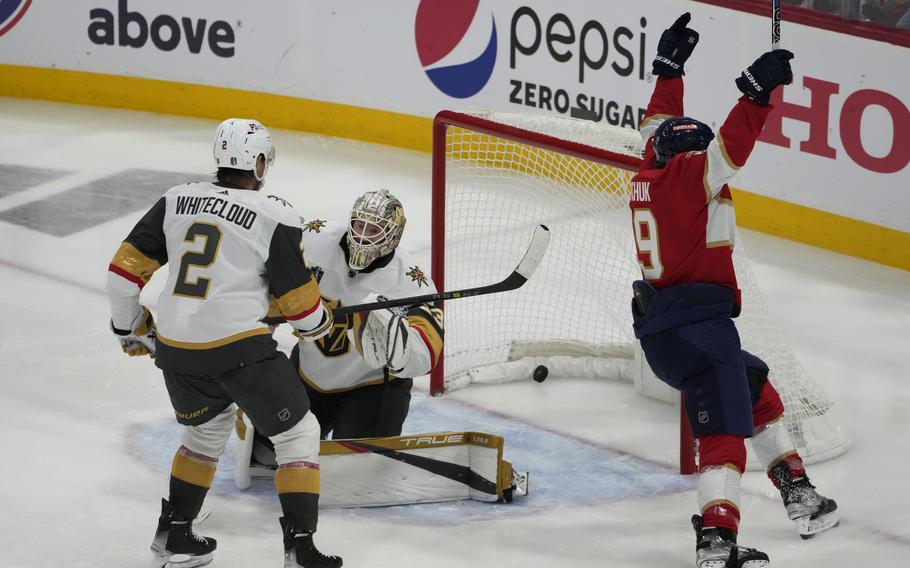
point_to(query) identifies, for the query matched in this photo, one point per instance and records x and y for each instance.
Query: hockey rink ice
(90, 433)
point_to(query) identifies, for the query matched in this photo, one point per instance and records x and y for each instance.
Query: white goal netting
(574, 312)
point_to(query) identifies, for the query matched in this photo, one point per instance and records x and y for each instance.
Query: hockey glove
(381, 337)
(674, 48)
(141, 339)
(769, 71)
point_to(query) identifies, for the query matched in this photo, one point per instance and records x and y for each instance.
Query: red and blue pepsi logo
(11, 11)
(441, 27)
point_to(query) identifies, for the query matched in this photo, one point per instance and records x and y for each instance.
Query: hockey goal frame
(441, 123)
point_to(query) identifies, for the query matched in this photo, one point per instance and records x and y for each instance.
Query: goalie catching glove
(140, 338)
(381, 337)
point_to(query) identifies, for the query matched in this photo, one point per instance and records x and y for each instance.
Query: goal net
(496, 176)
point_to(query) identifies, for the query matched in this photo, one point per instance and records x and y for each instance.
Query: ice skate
(717, 548)
(299, 550)
(176, 545)
(812, 513)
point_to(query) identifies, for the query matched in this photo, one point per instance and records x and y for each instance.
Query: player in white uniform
(359, 375)
(354, 393)
(232, 252)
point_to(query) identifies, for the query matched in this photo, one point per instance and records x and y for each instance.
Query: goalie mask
(377, 222)
(679, 135)
(238, 144)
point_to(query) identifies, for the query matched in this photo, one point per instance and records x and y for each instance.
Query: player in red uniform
(684, 226)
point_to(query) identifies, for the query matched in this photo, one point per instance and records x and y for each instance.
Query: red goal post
(494, 177)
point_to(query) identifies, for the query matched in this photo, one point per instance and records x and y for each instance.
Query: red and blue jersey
(682, 214)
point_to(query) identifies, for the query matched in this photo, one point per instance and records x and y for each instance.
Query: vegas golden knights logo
(314, 226)
(336, 342)
(418, 276)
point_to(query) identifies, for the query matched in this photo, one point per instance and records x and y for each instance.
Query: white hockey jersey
(332, 363)
(231, 252)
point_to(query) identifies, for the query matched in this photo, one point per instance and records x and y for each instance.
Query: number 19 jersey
(683, 219)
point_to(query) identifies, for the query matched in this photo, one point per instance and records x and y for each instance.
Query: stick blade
(536, 250)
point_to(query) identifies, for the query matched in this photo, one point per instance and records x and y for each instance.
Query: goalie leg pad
(246, 433)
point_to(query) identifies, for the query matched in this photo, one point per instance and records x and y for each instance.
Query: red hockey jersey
(682, 214)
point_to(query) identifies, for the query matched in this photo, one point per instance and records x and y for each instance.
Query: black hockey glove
(769, 71)
(674, 48)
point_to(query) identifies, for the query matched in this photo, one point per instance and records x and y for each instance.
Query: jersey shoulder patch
(281, 210)
(418, 276)
(314, 225)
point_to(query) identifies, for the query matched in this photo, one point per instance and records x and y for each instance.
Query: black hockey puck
(540, 373)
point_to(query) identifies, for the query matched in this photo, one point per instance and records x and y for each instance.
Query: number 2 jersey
(231, 252)
(682, 214)
(332, 363)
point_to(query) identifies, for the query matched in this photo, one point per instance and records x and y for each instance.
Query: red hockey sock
(722, 459)
(768, 408)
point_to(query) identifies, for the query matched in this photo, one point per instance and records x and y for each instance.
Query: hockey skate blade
(812, 525)
(181, 560)
(747, 564)
(813, 528)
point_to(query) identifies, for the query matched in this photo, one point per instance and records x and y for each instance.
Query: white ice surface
(89, 432)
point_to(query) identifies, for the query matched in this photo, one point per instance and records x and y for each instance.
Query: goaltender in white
(359, 375)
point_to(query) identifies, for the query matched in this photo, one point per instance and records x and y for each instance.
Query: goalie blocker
(400, 470)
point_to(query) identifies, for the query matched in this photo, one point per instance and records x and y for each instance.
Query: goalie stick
(529, 262)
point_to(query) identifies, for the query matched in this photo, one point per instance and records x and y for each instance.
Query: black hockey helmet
(678, 135)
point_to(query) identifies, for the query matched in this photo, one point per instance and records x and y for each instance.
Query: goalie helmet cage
(498, 175)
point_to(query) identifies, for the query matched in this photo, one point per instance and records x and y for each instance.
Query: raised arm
(734, 142)
(674, 48)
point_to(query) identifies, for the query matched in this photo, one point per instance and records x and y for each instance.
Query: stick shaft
(516, 279)
(775, 24)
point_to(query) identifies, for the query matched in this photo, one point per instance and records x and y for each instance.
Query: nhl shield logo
(703, 417)
(284, 414)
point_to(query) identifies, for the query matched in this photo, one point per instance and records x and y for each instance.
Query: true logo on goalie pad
(433, 440)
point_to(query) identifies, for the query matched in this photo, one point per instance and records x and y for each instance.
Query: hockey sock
(191, 477)
(771, 440)
(722, 459)
(768, 408)
(298, 490)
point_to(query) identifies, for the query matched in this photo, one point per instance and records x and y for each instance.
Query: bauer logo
(11, 11)
(456, 45)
